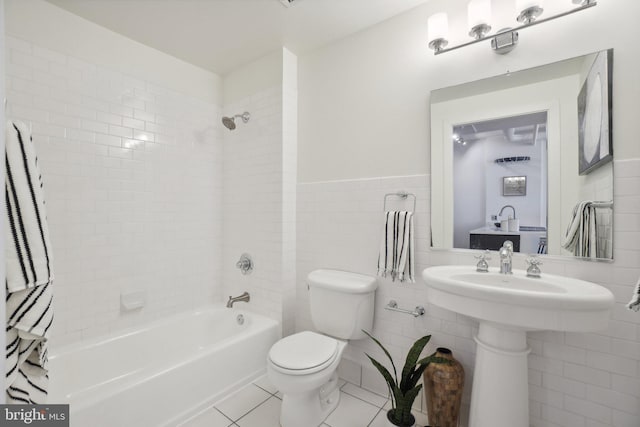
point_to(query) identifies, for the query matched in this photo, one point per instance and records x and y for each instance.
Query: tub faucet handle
(245, 264)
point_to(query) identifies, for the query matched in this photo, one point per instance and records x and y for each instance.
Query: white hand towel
(396, 255)
(29, 272)
(634, 304)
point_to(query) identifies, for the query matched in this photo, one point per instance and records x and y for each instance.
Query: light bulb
(526, 4)
(438, 26)
(479, 12)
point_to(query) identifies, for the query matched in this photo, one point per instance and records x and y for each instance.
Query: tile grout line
(364, 389)
(365, 401)
(216, 409)
(374, 417)
(252, 409)
(262, 388)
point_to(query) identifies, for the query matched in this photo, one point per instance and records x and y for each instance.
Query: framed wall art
(595, 144)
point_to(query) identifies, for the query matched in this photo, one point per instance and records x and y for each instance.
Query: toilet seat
(303, 353)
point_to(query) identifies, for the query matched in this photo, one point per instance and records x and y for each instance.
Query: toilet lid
(302, 351)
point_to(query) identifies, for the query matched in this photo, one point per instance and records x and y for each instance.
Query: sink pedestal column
(500, 394)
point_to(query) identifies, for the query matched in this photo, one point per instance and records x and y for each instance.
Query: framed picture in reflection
(514, 186)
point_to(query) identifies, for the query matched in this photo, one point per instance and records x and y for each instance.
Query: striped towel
(580, 237)
(29, 274)
(396, 256)
(634, 304)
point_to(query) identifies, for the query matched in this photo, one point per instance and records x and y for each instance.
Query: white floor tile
(380, 420)
(351, 412)
(243, 401)
(365, 395)
(265, 415)
(421, 418)
(264, 383)
(209, 418)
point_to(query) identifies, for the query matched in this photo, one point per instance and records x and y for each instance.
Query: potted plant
(404, 392)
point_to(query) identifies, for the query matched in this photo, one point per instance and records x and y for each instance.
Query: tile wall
(133, 180)
(258, 204)
(575, 380)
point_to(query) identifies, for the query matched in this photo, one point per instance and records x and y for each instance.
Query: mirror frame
(442, 159)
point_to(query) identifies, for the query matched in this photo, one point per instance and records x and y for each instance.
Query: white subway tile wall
(133, 180)
(575, 380)
(259, 209)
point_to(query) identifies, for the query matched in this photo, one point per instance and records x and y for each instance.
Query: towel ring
(401, 194)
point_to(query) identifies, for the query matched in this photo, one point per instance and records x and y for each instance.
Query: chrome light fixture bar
(506, 39)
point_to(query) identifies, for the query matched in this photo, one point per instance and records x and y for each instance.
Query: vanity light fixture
(438, 29)
(529, 10)
(479, 17)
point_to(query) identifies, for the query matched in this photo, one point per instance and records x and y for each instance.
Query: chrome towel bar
(402, 195)
(393, 306)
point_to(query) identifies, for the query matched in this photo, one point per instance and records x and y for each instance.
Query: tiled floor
(258, 405)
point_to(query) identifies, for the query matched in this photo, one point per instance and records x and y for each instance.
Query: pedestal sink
(507, 306)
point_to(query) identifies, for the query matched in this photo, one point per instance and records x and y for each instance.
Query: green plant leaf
(434, 359)
(403, 409)
(391, 383)
(412, 358)
(395, 372)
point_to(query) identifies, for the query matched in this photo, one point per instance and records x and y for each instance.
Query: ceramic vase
(443, 385)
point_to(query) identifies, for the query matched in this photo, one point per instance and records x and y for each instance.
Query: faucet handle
(533, 270)
(533, 260)
(483, 265)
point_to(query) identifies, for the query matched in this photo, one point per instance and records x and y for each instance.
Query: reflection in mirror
(526, 157)
(504, 162)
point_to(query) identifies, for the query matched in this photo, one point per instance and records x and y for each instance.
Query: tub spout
(244, 297)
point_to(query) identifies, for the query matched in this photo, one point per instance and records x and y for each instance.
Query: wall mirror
(526, 156)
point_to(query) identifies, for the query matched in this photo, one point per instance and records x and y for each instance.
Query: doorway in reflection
(500, 183)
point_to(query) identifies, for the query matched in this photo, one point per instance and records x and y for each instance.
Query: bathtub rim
(58, 351)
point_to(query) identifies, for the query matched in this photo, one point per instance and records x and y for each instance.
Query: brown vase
(443, 385)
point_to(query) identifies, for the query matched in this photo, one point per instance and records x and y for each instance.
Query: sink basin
(549, 303)
(507, 306)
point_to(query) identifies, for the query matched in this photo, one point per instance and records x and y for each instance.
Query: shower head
(230, 122)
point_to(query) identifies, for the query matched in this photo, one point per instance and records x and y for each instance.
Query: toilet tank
(342, 303)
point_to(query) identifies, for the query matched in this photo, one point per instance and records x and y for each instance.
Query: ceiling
(523, 129)
(221, 35)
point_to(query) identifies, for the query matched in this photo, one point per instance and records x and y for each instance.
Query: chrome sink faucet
(506, 252)
(244, 297)
(508, 206)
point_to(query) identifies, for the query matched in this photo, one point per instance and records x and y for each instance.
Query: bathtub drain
(240, 319)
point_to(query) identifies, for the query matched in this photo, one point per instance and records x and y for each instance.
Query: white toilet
(304, 366)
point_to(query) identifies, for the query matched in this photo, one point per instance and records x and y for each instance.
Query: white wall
(368, 95)
(132, 169)
(251, 78)
(54, 28)
(528, 207)
(364, 113)
(259, 185)
(470, 188)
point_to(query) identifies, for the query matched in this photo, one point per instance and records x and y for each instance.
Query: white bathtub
(160, 374)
